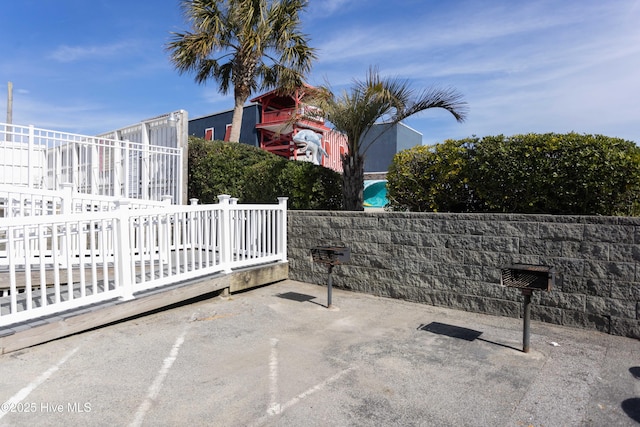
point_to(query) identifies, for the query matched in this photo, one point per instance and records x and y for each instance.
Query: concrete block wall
(454, 260)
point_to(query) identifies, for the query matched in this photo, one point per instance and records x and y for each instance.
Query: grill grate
(331, 255)
(526, 276)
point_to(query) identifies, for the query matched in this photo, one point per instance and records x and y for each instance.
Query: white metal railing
(55, 263)
(20, 202)
(151, 181)
(46, 159)
(16, 201)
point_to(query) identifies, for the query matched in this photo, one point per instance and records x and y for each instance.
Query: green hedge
(533, 173)
(424, 179)
(256, 176)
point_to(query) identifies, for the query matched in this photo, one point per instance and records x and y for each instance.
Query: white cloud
(523, 67)
(66, 53)
(423, 32)
(326, 8)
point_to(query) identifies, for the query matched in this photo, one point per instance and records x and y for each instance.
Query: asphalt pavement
(277, 356)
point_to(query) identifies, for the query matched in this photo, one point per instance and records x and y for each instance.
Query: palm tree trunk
(352, 182)
(236, 121)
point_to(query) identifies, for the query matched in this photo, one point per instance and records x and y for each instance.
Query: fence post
(67, 209)
(67, 198)
(126, 170)
(225, 232)
(237, 228)
(163, 234)
(145, 187)
(282, 245)
(30, 156)
(122, 257)
(94, 166)
(116, 165)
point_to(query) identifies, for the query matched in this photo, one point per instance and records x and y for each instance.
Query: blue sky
(523, 66)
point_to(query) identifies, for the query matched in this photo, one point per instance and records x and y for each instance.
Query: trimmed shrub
(261, 181)
(558, 174)
(310, 186)
(431, 178)
(256, 176)
(216, 167)
(549, 173)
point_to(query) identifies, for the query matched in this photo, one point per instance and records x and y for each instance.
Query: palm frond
(377, 99)
(261, 37)
(447, 98)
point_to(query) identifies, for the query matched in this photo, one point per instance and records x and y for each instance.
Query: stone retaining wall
(454, 260)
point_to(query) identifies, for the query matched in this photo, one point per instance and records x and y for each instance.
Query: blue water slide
(375, 193)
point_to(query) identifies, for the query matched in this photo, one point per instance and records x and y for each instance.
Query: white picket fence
(73, 257)
(143, 168)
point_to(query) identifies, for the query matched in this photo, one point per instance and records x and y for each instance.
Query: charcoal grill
(528, 278)
(330, 256)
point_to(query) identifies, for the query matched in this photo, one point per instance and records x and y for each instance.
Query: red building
(283, 116)
(271, 121)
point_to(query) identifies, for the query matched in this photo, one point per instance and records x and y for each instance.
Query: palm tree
(376, 100)
(245, 44)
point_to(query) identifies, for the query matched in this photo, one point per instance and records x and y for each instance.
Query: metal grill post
(330, 256)
(527, 320)
(329, 286)
(528, 278)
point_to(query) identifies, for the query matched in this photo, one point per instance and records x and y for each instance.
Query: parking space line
(274, 407)
(315, 388)
(22, 394)
(154, 388)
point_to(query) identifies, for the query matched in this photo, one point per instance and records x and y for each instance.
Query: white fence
(45, 159)
(53, 263)
(150, 180)
(18, 201)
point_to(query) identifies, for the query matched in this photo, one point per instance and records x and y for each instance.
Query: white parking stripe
(22, 394)
(281, 408)
(312, 390)
(274, 407)
(155, 387)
